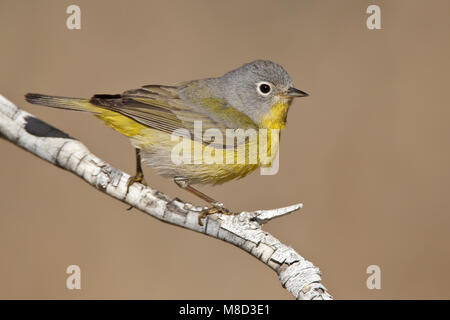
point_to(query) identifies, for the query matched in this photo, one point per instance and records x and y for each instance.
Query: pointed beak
(295, 93)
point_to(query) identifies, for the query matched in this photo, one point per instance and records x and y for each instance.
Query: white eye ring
(264, 88)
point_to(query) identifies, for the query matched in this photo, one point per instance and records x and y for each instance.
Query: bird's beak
(295, 93)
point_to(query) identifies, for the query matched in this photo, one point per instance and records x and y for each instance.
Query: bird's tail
(115, 120)
(78, 104)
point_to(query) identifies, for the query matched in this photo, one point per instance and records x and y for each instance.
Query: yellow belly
(203, 164)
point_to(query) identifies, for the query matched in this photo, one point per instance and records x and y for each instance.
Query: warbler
(254, 96)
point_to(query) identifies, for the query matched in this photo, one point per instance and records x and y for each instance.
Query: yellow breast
(276, 118)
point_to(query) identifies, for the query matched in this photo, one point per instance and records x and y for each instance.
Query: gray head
(256, 86)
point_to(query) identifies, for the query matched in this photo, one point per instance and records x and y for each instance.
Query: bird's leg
(139, 177)
(217, 207)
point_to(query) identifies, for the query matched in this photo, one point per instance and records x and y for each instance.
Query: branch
(299, 276)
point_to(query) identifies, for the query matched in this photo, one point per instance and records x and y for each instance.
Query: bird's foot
(137, 178)
(215, 208)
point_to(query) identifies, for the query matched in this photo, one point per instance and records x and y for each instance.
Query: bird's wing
(161, 107)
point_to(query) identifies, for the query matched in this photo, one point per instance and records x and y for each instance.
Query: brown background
(368, 153)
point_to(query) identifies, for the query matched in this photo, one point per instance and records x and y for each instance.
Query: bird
(253, 97)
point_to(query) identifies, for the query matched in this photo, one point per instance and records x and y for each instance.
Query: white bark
(299, 276)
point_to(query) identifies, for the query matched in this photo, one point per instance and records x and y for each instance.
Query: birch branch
(299, 276)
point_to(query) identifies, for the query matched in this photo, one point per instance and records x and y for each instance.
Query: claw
(216, 208)
(140, 179)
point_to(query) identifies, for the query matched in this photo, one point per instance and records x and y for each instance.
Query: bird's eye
(264, 88)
